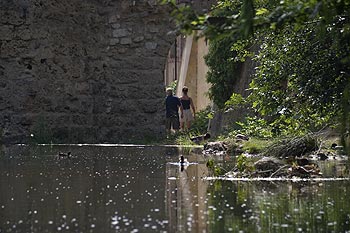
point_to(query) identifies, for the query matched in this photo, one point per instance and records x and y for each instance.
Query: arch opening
(185, 66)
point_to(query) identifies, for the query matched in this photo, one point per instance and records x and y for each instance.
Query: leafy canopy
(302, 80)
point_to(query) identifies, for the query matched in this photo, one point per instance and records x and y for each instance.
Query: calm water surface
(142, 189)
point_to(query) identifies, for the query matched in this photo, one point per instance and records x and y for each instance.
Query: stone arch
(86, 71)
(187, 66)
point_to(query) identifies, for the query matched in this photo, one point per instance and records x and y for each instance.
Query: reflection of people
(172, 111)
(187, 104)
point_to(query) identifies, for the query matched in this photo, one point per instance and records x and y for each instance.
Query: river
(124, 188)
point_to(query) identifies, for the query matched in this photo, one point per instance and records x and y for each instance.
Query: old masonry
(83, 71)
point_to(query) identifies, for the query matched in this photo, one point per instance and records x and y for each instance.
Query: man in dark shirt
(172, 111)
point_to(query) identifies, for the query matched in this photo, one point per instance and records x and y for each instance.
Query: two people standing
(173, 104)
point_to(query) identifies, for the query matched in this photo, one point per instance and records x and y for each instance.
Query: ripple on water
(104, 182)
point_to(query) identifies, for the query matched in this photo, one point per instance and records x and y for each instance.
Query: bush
(291, 147)
(200, 124)
(255, 146)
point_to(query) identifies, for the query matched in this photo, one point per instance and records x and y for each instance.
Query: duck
(241, 137)
(183, 160)
(200, 138)
(64, 155)
(183, 163)
(334, 145)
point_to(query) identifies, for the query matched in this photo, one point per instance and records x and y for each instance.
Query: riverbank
(288, 158)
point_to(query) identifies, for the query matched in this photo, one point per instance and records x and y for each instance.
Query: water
(144, 189)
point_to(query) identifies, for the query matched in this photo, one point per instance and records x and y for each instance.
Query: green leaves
(303, 59)
(298, 83)
(262, 11)
(235, 100)
(224, 70)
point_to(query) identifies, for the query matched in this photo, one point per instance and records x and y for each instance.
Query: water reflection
(186, 195)
(141, 189)
(279, 207)
(98, 190)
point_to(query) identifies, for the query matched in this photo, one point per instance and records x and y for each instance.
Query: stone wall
(82, 70)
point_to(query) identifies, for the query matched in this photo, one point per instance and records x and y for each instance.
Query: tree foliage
(299, 81)
(223, 70)
(302, 79)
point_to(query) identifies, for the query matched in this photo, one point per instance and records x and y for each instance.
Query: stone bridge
(83, 71)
